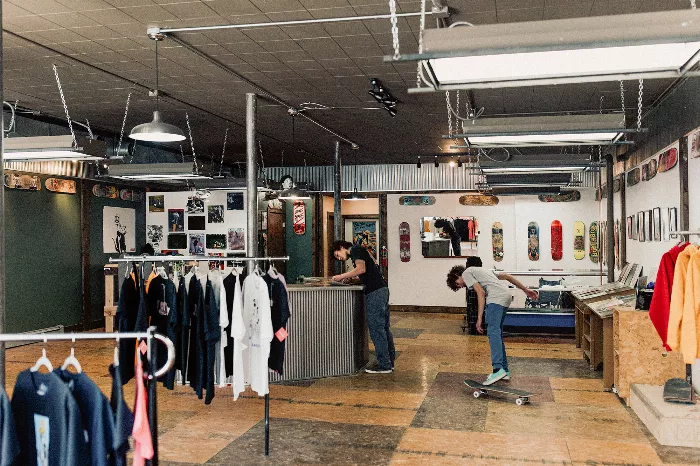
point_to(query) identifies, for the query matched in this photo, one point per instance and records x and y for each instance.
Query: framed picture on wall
(672, 217)
(196, 222)
(656, 223)
(197, 244)
(234, 201)
(177, 241)
(156, 203)
(640, 226)
(216, 214)
(176, 220)
(216, 241)
(629, 227)
(154, 235)
(649, 226)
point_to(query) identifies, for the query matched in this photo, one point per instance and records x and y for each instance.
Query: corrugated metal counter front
(327, 333)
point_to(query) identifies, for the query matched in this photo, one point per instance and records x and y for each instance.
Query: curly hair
(454, 274)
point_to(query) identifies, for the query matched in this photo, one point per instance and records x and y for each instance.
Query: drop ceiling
(102, 53)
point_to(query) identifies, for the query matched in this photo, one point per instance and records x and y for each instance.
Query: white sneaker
(495, 377)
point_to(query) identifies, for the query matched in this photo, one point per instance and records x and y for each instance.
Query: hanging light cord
(157, 79)
(65, 106)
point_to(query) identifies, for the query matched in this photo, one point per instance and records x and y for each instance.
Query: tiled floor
(422, 414)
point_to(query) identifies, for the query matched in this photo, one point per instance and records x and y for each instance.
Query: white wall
(178, 200)
(421, 281)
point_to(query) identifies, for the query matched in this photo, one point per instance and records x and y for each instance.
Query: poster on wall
(196, 222)
(364, 233)
(216, 241)
(656, 220)
(640, 226)
(154, 235)
(629, 227)
(176, 220)
(236, 239)
(672, 219)
(694, 144)
(197, 244)
(195, 205)
(156, 204)
(118, 230)
(234, 201)
(177, 241)
(216, 214)
(649, 226)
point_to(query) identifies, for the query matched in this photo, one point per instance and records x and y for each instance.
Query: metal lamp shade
(157, 131)
(294, 193)
(355, 196)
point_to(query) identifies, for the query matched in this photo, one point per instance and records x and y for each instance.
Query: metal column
(2, 227)
(337, 202)
(251, 176)
(610, 231)
(623, 220)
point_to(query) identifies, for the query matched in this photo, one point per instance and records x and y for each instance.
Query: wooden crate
(639, 354)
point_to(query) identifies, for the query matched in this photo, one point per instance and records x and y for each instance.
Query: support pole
(251, 176)
(152, 391)
(2, 226)
(337, 202)
(85, 213)
(610, 230)
(685, 225)
(623, 220)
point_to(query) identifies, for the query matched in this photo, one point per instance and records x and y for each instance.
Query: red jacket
(661, 300)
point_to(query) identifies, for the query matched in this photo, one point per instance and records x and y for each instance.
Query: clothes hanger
(116, 353)
(72, 361)
(42, 361)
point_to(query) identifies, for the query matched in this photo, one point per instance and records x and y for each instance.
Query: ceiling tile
(614, 7)
(518, 4)
(149, 13)
(271, 6)
(239, 7)
(265, 34)
(71, 20)
(332, 12)
(307, 31)
(109, 16)
(296, 15)
(514, 16)
(281, 46)
(41, 6)
(28, 24)
(190, 10)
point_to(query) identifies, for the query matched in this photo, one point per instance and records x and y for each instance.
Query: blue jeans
(377, 308)
(495, 315)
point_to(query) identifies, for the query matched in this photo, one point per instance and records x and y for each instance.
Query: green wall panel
(299, 246)
(43, 259)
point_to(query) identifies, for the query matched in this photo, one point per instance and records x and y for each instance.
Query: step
(672, 424)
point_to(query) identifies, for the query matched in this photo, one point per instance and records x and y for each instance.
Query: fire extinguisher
(384, 256)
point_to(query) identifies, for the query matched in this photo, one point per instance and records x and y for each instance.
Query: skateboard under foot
(522, 396)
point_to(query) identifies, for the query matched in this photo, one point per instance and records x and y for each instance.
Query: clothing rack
(145, 258)
(676, 234)
(150, 336)
(558, 273)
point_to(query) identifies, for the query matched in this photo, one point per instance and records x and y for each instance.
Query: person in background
(376, 302)
(494, 298)
(449, 229)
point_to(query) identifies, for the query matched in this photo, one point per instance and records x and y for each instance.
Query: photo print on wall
(118, 230)
(195, 205)
(216, 214)
(672, 217)
(640, 226)
(156, 204)
(694, 144)
(234, 201)
(154, 235)
(216, 241)
(196, 222)
(177, 241)
(197, 244)
(236, 239)
(176, 220)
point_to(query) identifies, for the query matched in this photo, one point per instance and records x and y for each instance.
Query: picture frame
(672, 217)
(640, 226)
(656, 223)
(629, 227)
(649, 226)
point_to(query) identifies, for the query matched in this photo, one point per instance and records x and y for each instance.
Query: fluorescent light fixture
(294, 193)
(43, 148)
(157, 131)
(155, 172)
(561, 130)
(663, 44)
(534, 169)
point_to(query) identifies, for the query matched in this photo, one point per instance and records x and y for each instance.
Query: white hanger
(162, 273)
(72, 361)
(272, 271)
(42, 361)
(116, 354)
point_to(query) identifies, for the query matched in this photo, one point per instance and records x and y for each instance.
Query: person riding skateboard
(494, 298)
(376, 302)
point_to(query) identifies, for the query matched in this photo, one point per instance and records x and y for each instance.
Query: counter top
(323, 284)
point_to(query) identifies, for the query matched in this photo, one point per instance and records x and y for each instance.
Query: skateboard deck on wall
(130, 195)
(593, 248)
(299, 216)
(533, 241)
(58, 185)
(417, 200)
(28, 182)
(649, 170)
(479, 200)
(667, 160)
(579, 240)
(571, 196)
(556, 238)
(497, 241)
(633, 176)
(522, 396)
(404, 242)
(103, 190)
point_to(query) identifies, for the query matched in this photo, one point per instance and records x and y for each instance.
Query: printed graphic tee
(257, 321)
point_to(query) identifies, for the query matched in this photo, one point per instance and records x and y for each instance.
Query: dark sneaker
(374, 369)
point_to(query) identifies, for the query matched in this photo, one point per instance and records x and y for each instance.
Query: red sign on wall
(299, 217)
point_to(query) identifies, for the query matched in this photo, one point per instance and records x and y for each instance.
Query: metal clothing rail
(558, 273)
(150, 336)
(214, 259)
(676, 234)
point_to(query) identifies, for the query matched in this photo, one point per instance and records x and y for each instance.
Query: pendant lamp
(157, 130)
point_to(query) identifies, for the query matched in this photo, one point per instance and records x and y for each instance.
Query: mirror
(449, 236)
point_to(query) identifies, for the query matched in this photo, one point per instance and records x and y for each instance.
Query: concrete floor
(420, 414)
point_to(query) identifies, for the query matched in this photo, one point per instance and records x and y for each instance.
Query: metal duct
(395, 177)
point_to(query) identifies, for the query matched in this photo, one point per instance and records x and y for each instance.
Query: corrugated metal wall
(58, 168)
(393, 177)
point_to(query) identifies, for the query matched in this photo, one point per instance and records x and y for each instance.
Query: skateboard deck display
(130, 195)
(28, 182)
(533, 241)
(521, 396)
(103, 190)
(58, 185)
(678, 391)
(478, 200)
(667, 160)
(557, 248)
(579, 240)
(417, 200)
(633, 176)
(571, 196)
(404, 242)
(649, 170)
(497, 241)
(593, 248)
(299, 209)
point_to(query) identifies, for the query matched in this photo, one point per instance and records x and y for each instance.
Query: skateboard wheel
(477, 393)
(519, 401)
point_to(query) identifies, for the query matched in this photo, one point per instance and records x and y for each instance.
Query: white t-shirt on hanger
(238, 335)
(257, 319)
